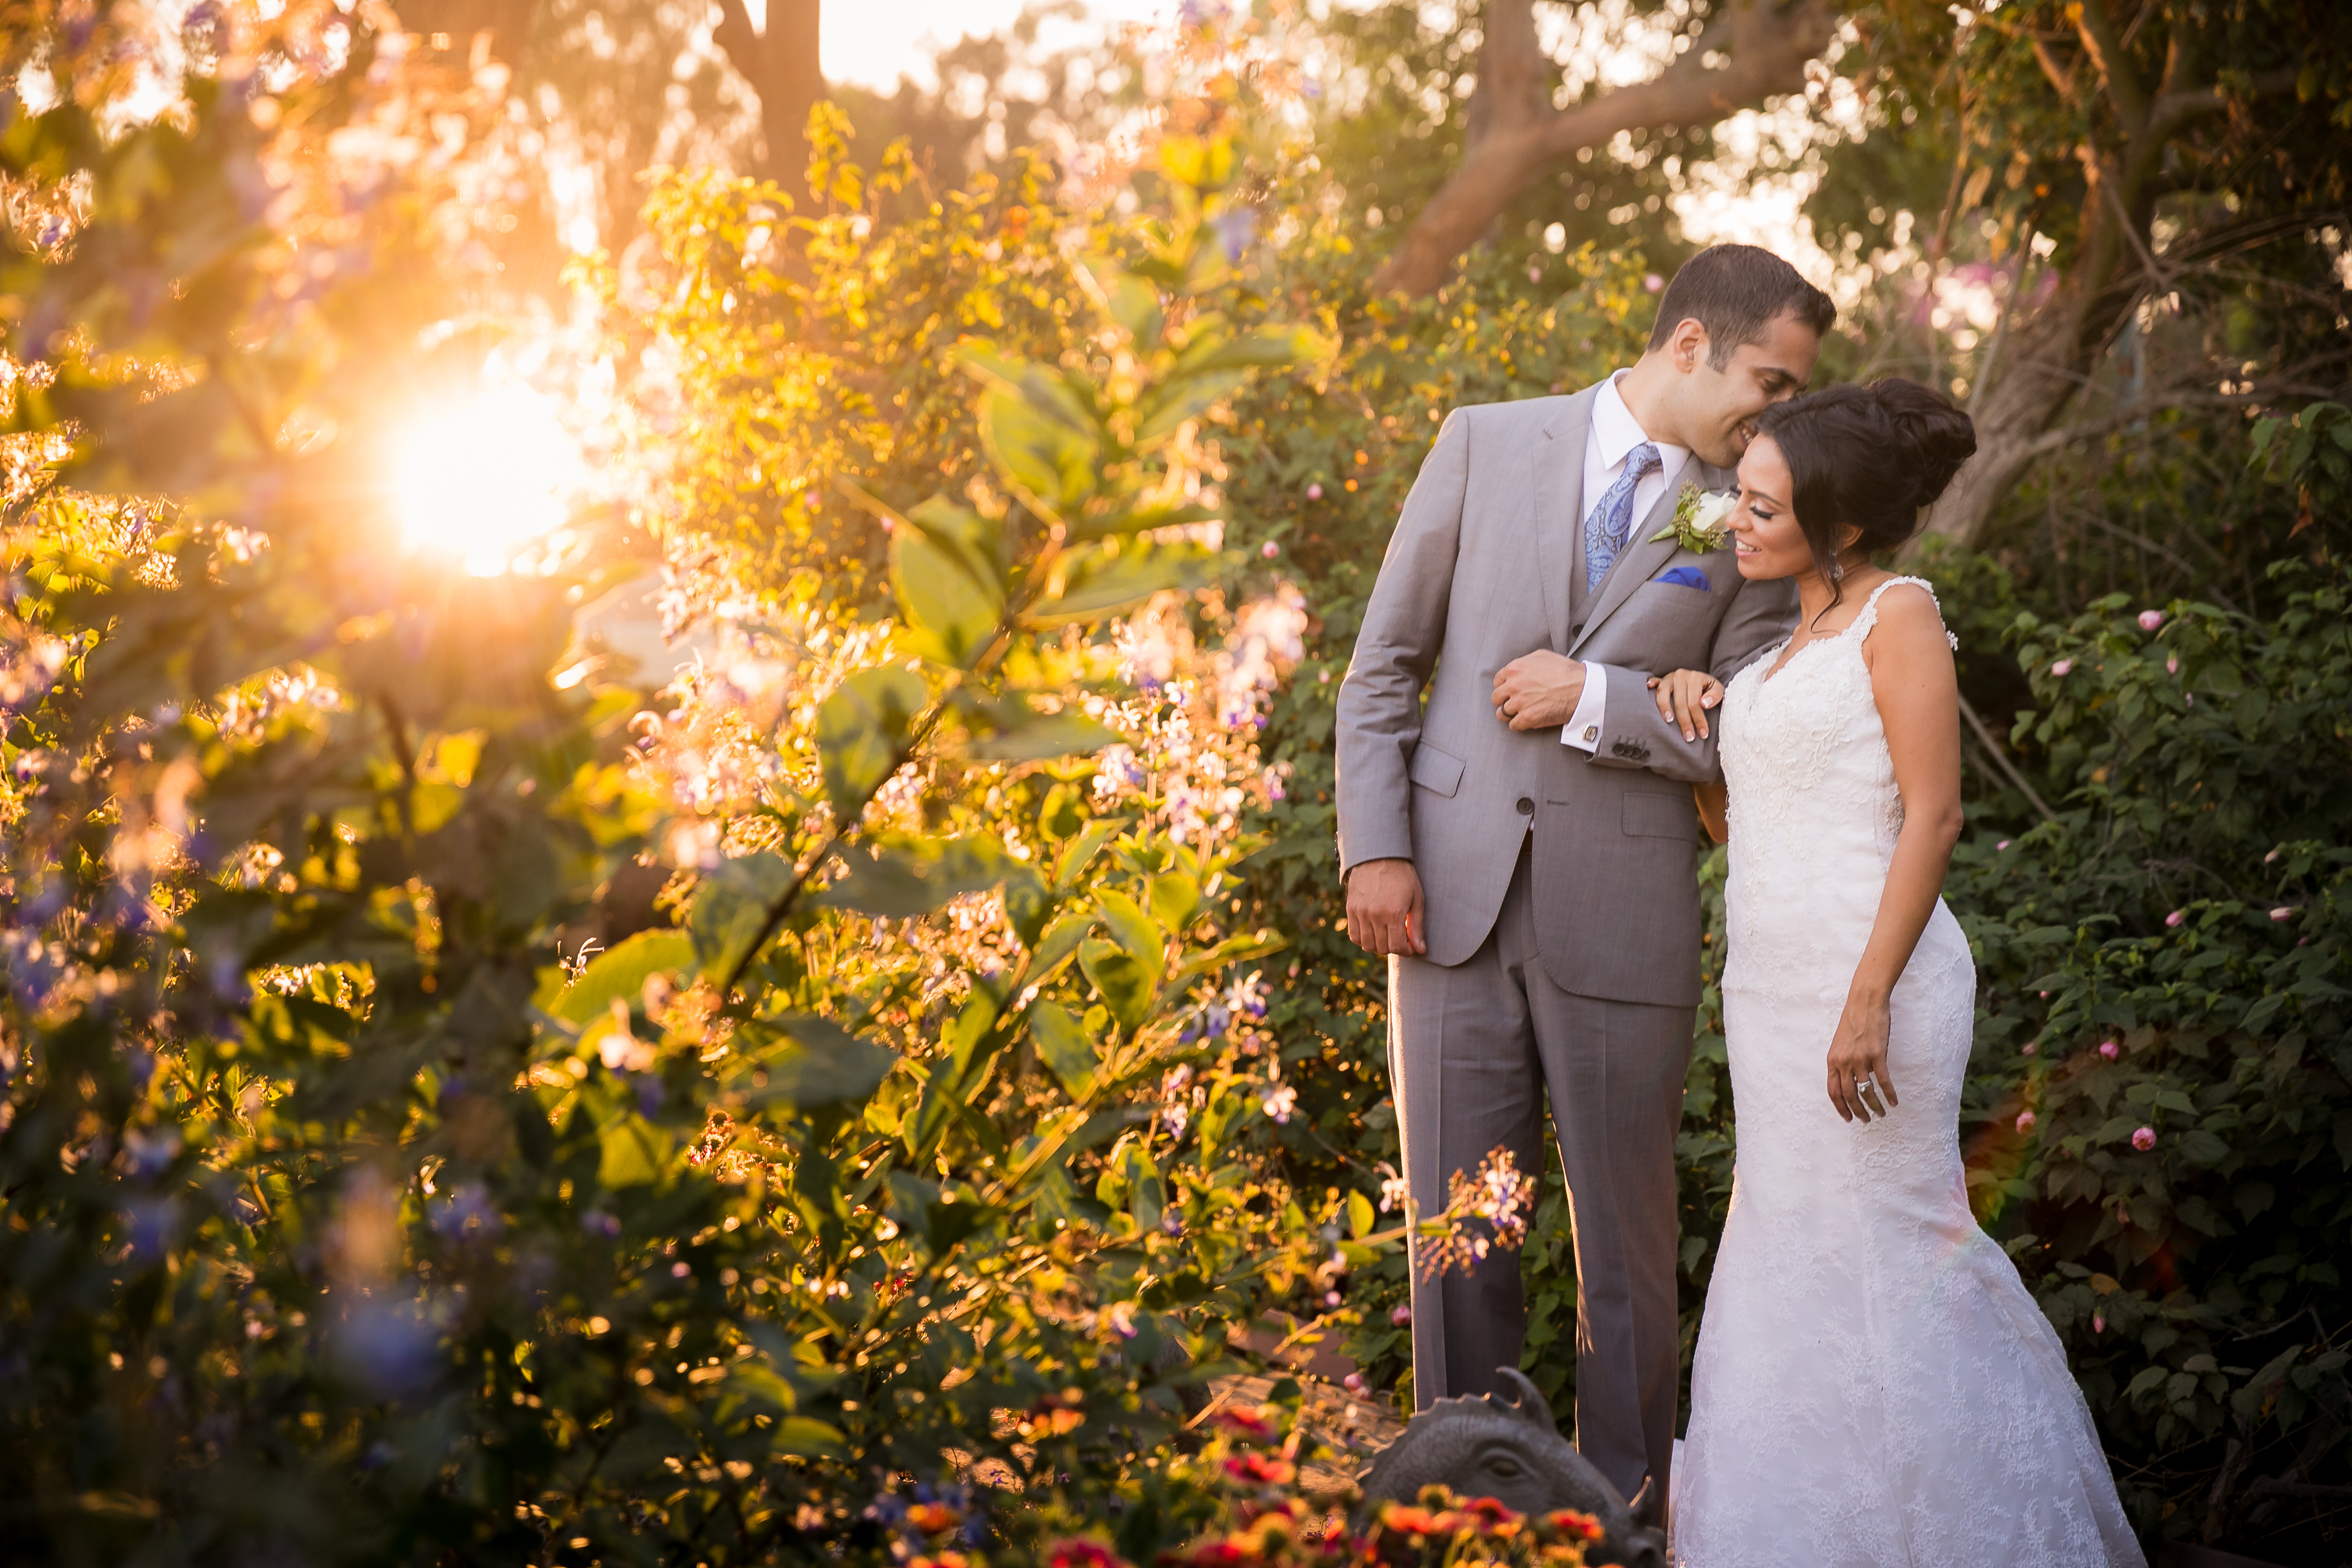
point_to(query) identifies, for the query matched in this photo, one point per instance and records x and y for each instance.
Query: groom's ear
(1686, 345)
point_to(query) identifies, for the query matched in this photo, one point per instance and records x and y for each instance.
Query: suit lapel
(1558, 487)
(1642, 557)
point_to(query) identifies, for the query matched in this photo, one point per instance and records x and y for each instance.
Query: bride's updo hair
(1866, 459)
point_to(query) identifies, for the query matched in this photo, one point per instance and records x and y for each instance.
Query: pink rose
(2150, 619)
(2025, 1121)
(2061, 666)
(1401, 1314)
(2282, 914)
(1315, 492)
(2110, 1050)
(2002, 844)
(2099, 1322)
(2031, 1048)
(1269, 549)
(2172, 667)
(1652, 283)
(2144, 1139)
(1353, 1382)
(2176, 917)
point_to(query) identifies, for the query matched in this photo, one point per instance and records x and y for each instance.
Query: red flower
(1246, 1423)
(1492, 1513)
(1264, 1471)
(1077, 1552)
(1568, 1521)
(932, 1518)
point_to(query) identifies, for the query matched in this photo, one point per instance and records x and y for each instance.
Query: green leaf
(1063, 1047)
(632, 1153)
(1126, 985)
(860, 730)
(1028, 737)
(1133, 929)
(622, 970)
(730, 905)
(1102, 583)
(902, 878)
(810, 1063)
(1046, 456)
(953, 612)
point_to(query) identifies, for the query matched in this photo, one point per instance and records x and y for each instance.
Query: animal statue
(1483, 1446)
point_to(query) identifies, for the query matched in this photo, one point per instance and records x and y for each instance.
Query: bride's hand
(1684, 696)
(1858, 1078)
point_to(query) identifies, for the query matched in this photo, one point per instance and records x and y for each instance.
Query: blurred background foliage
(473, 1093)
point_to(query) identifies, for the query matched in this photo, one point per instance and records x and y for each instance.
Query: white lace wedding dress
(1874, 1386)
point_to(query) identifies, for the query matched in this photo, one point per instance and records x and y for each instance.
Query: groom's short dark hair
(1735, 292)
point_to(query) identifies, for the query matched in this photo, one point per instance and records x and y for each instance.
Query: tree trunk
(779, 62)
(1516, 137)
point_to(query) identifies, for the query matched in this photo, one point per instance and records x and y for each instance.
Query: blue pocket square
(1685, 577)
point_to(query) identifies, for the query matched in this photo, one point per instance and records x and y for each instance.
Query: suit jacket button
(1527, 807)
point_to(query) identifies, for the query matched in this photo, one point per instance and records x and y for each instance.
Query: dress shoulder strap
(1862, 624)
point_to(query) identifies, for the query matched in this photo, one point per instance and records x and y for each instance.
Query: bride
(1874, 1386)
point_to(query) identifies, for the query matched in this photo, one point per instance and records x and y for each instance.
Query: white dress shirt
(1613, 433)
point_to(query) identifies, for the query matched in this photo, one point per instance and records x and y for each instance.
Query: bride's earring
(1837, 571)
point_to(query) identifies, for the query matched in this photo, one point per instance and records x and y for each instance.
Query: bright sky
(874, 42)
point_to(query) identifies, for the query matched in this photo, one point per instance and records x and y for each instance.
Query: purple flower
(1236, 226)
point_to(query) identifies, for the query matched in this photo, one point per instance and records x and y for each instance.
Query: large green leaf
(1133, 929)
(1062, 1046)
(622, 973)
(860, 730)
(907, 877)
(1125, 984)
(1120, 574)
(1024, 735)
(951, 610)
(1050, 462)
(809, 1062)
(730, 906)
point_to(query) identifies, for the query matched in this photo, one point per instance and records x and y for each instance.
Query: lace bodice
(1814, 809)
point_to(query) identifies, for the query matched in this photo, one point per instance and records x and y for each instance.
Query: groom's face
(1720, 406)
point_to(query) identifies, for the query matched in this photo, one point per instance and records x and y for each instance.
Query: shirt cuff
(1582, 730)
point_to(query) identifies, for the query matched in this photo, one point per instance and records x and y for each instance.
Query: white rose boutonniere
(1701, 519)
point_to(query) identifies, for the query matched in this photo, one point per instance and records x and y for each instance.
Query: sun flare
(479, 481)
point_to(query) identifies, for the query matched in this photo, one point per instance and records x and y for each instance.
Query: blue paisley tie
(1606, 525)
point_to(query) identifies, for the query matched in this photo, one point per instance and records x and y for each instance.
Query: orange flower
(944, 1559)
(1494, 1516)
(1569, 1523)
(932, 1518)
(1260, 1469)
(1407, 1519)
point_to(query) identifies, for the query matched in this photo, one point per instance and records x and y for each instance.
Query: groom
(1523, 848)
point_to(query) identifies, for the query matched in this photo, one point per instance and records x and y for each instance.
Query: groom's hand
(1539, 690)
(1384, 908)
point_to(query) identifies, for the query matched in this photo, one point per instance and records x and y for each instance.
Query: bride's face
(1764, 538)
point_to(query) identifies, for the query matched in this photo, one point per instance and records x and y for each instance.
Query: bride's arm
(1918, 692)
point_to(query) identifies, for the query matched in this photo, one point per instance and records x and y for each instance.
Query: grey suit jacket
(1487, 564)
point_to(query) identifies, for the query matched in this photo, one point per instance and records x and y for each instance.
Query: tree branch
(1771, 44)
(2108, 53)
